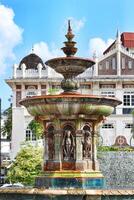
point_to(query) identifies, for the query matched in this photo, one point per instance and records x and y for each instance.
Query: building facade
(112, 75)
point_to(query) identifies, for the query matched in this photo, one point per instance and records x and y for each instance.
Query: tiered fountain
(70, 124)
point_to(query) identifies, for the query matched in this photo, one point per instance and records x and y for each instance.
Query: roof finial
(94, 55)
(69, 48)
(118, 33)
(32, 48)
(118, 37)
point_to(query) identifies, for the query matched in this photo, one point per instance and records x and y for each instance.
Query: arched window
(30, 136)
(31, 91)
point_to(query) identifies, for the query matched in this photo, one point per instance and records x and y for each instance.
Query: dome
(31, 61)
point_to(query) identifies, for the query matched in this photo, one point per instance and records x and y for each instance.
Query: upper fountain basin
(70, 105)
(70, 67)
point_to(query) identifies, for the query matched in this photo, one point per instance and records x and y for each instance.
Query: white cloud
(10, 36)
(98, 45)
(76, 24)
(45, 52)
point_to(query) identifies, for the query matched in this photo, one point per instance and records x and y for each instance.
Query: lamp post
(0, 144)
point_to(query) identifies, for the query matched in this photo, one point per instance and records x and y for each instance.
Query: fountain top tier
(69, 66)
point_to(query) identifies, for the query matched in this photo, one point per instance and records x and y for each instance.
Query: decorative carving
(68, 145)
(121, 141)
(87, 145)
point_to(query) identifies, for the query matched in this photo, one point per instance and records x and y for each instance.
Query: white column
(18, 134)
(39, 69)
(118, 63)
(119, 95)
(39, 89)
(95, 73)
(118, 46)
(23, 67)
(95, 89)
(14, 95)
(14, 70)
(23, 93)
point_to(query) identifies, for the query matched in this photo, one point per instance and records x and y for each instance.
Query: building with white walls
(112, 75)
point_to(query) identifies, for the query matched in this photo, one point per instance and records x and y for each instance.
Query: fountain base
(70, 179)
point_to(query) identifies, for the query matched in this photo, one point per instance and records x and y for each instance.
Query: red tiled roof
(127, 39)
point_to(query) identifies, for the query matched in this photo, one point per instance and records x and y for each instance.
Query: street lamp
(0, 144)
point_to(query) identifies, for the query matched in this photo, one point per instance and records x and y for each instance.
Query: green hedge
(115, 148)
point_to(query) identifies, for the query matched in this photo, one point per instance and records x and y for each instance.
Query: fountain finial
(69, 48)
(69, 26)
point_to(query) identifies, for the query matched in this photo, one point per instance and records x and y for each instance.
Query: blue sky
(42, 23)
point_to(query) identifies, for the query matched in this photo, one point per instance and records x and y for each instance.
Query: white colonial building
(112, 75)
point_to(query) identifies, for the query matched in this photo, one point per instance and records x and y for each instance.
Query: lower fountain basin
(69, 105)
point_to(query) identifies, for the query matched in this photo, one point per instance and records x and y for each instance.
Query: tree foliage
(26, 166)
(6, 129)
(36, 128)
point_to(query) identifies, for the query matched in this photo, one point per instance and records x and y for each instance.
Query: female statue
(68, 146)
(87, 145)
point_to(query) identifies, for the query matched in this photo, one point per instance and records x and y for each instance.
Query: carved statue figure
(87, 145)
(68, 146)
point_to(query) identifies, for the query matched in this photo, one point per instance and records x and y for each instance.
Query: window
(107, 64)
(108, 93)
(123, 62)
(128, 125)
(128, 99)
(113, 63)
(108, 126)
(130, 64)
(31, 91)
(56, 87)
(28, 134)
(83, 86)
(107, 85)
(127, 110)
(128, 85)
(100, 66)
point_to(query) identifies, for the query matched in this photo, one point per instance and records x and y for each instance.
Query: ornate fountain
(70, 123)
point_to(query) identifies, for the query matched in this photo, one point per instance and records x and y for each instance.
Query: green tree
(7, 126)
(26, 166)
(36, 128)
